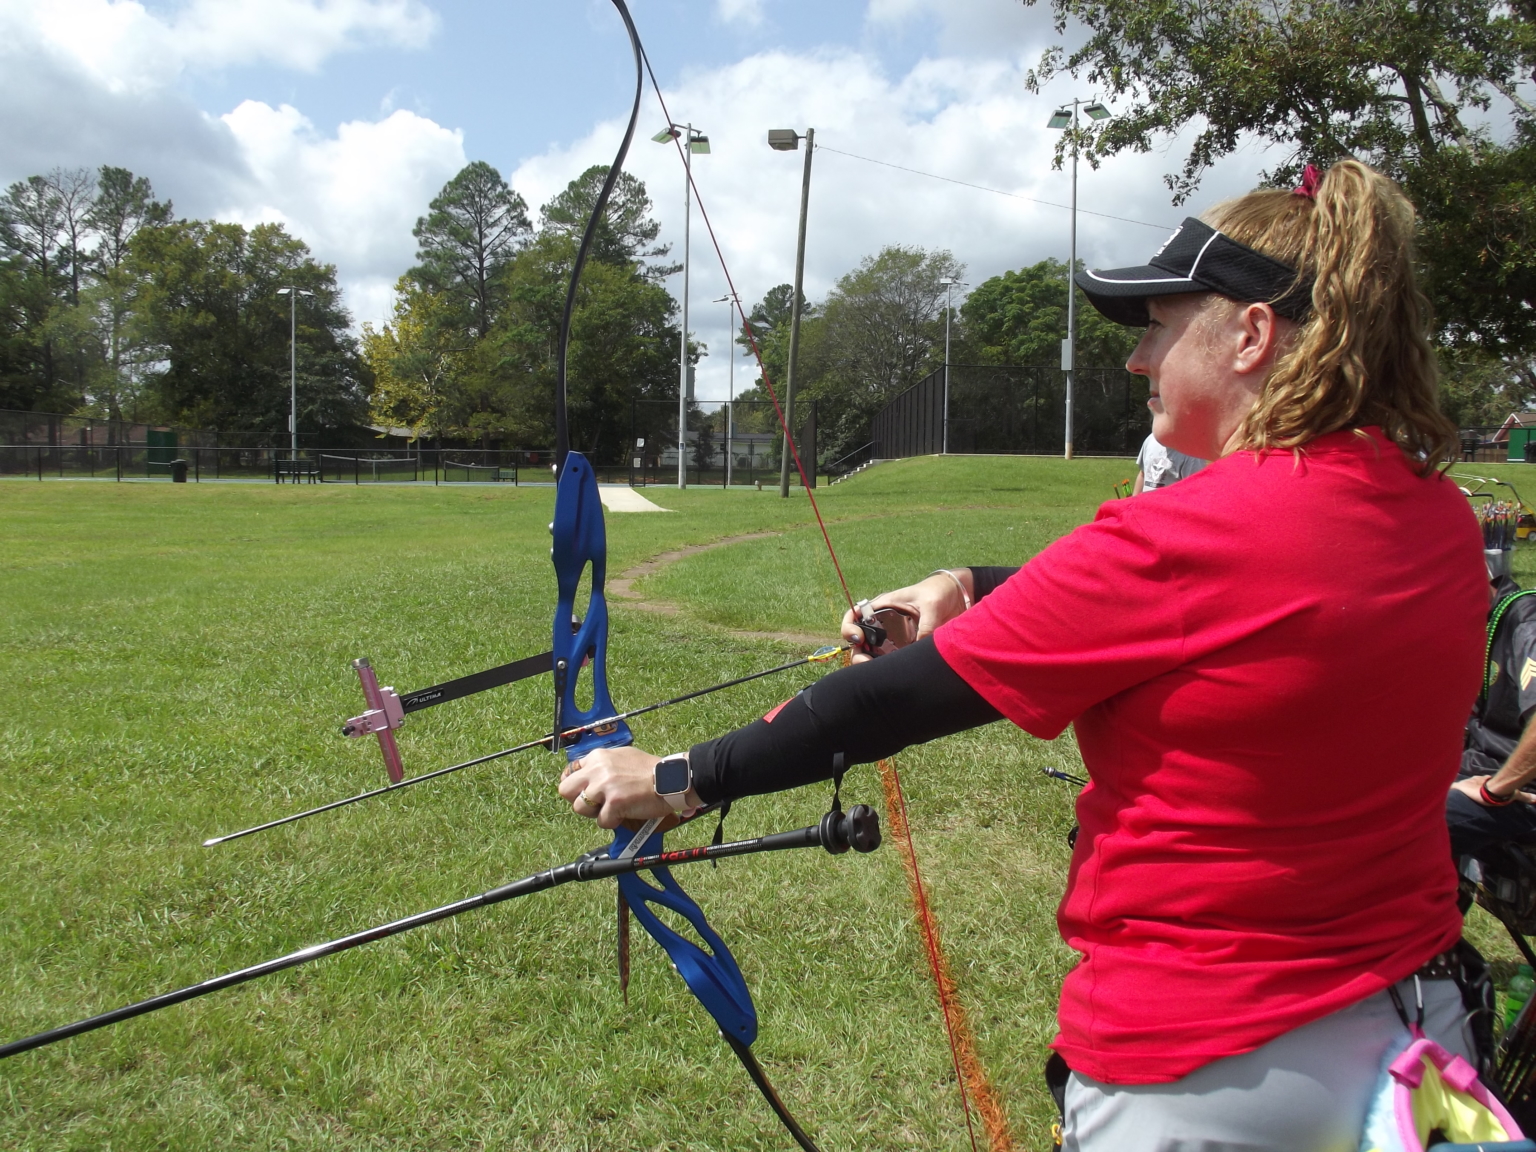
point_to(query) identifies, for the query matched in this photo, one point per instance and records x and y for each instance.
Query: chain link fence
(1010, 410)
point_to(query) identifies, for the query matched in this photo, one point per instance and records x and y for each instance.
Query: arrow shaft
(576, 871)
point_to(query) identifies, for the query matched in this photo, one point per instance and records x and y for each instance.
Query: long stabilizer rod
(859, 829)
(819, 656)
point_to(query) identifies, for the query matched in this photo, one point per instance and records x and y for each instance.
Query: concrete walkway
(623, 498)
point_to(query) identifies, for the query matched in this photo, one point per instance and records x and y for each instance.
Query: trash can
(178, 471)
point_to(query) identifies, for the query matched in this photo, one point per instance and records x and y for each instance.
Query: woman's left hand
(611, 785)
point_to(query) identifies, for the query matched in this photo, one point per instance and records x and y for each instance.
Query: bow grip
(713, 976)
(580, 542)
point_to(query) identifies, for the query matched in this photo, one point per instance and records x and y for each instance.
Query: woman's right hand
(908, 614)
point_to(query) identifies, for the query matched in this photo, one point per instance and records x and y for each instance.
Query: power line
(984, 188)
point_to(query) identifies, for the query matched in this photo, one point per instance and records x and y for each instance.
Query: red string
(930, 933)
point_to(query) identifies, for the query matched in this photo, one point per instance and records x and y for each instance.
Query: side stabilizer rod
(859, 829)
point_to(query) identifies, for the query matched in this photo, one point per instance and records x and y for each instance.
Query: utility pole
(949, 307)
(293, 295)
(730, 404)
(1069, 352)
(1062, 119)
(693, 141)
(786, 140)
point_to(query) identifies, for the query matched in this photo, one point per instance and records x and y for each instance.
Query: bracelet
(1494, 799)
(960, 584)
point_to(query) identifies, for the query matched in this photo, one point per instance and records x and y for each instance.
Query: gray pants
(1305, 1091)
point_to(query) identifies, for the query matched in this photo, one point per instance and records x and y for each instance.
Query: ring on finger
(595, 805)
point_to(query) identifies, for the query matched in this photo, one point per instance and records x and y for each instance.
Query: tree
(124, 204)
(771, 318)
(474, 226)
(879, 333)
(31, 234)
(76, 192)
(626, 234)
(1400, 84)
(210, 304)
(1021, 318)
(623, 338)
(415, 362)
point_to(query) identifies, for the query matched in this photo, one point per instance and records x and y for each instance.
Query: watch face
(672, 777)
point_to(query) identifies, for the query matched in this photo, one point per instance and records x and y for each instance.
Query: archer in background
(1488, 804)
(1158, 466)
(1257, 868)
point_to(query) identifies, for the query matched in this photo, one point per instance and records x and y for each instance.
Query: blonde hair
(1361, 355)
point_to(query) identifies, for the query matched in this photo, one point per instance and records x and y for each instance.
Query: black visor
(1197, 258)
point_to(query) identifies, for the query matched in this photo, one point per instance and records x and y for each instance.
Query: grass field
(174, 663)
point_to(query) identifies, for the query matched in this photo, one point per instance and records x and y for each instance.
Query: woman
(1268, 666)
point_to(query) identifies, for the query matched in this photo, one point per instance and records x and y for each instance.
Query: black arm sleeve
(987, 579)
(865, 711)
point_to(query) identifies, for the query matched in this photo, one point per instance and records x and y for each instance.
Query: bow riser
(581, 545)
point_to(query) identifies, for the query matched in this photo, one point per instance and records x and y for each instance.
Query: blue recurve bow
(579, 647)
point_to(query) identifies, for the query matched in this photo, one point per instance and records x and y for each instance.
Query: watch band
(677, 798)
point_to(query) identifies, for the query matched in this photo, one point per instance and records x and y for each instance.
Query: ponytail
(1362, 355)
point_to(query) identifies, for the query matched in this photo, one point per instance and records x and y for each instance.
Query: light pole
(949, 283)
(293, 295)
(788, 140)
(1060, 119)
(692, 142)
(730, 412)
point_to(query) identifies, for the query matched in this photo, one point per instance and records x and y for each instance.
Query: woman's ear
(1258, 333)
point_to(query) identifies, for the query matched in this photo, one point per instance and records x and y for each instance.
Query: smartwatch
(673, 777)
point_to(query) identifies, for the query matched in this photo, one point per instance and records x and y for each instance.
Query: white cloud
(965, 27)
(123, 47)
(92, 82)
(745, 12)
(965, 118)
(353, 197)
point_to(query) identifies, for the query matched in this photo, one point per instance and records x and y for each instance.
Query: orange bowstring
(752, 339)
(969, 1069)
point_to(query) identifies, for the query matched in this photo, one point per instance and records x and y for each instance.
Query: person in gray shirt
(1158, 467)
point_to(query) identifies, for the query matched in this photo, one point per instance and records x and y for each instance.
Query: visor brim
(1120, 294)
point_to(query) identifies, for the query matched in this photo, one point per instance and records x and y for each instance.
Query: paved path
(623, 498)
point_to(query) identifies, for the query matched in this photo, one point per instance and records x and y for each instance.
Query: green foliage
(1401, 84)
(210, 304)
(35, 284)
(437, 372)
(626, 233)
(879, 332)
(1477, 390)
(1021, 318)
(474, 226)
(414, 361)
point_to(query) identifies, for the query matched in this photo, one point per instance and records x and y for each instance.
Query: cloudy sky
(342, 118)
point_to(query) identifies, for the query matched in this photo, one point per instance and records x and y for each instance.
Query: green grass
(174, 662)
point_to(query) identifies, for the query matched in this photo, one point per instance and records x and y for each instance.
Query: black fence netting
(1006, 409)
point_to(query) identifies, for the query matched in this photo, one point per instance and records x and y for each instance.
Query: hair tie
(1310, 179)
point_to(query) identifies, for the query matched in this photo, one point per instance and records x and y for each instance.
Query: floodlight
(667, 133)
(699, 145)
(1097, 111)
(949, 280)
(783, 139)
(1061, 118)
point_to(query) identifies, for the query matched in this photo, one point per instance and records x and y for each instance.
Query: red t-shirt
(1269, 665)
